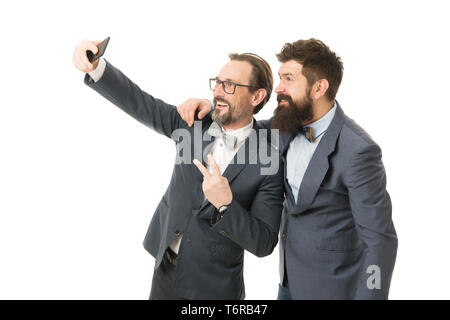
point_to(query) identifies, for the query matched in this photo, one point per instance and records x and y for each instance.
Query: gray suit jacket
(339, 241)
(210, 258)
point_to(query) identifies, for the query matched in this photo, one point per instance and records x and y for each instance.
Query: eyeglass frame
(222, 82)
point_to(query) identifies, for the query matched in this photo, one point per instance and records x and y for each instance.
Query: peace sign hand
(215, 187)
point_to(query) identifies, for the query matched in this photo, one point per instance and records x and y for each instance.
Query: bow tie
(308, 133)
(216, 131)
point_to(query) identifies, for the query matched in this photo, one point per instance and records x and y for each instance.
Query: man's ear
(319, 88)
(258, 96)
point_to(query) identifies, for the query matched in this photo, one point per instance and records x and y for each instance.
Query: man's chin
(284, 120)
(221, 116)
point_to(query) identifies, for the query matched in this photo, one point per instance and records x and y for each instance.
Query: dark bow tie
(216, 131)
(307, 132)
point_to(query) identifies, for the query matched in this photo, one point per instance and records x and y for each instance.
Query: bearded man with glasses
(214, 208)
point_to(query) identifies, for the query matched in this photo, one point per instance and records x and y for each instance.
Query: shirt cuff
(98, 72)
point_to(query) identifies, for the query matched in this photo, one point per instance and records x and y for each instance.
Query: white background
(79, 179)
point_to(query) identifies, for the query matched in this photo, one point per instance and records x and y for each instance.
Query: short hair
(261, 77)
(318, 62)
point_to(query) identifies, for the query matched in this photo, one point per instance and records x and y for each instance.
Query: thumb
(92, 46)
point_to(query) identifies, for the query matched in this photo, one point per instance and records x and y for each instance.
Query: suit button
(284, 236)
(177, 232)
(222, 232)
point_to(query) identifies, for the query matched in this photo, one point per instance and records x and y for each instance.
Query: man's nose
(279, 89)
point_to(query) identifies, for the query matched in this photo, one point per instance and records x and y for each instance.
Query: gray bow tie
(216, 131)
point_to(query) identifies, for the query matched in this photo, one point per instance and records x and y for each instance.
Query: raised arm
(112, 84)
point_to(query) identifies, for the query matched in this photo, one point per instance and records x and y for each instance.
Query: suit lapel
(234, 168)
(207, 144)
(285, 139)
(319, 165)
(199, 152)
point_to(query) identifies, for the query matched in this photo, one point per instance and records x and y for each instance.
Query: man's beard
(231, 115)
(289, 118)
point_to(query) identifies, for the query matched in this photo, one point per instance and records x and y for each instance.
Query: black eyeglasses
(227, 86)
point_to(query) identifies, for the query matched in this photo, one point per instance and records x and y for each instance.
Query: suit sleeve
(372, 210)
(256, 230)
(122, 92)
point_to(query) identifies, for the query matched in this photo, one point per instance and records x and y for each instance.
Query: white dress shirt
(301, 151)
(221, 154)
(98, 72)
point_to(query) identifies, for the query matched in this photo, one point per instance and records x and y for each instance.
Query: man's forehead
(290, 67)
(235, 70)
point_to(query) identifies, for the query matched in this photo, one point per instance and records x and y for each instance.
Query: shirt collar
(321, 125)
(241, 133)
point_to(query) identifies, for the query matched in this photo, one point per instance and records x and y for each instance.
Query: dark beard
(290, 118)
(225, 119)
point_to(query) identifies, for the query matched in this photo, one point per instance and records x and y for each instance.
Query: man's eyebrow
(285, 74)
(227, 79)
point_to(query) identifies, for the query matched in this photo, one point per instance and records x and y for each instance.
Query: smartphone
(101, 50)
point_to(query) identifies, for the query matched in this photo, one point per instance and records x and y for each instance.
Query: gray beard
(222, 120)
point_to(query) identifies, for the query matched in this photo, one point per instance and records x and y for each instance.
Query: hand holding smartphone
(101, 50)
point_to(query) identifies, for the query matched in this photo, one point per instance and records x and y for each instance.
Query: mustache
(284, 97)
(220, 100)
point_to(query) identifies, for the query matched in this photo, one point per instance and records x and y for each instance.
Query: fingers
(182, 111)
(190, 116)
(80, 58)
(187, 110)
(202, 168)
(202, 113)
(187, 116)
(85, 62)
(76, 59)
(205, 107)
(92, 46)
(213, 164)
